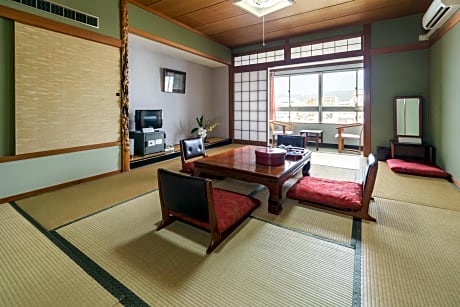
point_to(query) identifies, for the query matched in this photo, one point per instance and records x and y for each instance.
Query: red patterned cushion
(333, 193)
(414, 168)
(188, 167)
(231, 207)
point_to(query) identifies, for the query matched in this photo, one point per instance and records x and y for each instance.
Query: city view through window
(324, 97)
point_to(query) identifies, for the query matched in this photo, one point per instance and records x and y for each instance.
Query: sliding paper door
(250, 106)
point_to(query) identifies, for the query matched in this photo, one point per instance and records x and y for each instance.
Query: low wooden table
(315, 135)
(241, 164)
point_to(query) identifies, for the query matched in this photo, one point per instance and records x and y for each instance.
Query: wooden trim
(271, 100)
(446, 28)
(48, 24)
(231, 102)
(265, 49)
(55, 187)
(299, 61)
(167, 42)
(124, 114)
(327, 39)
(152, 11)
(416, 46)
(287, 46)
(366, 44)
(57, 152)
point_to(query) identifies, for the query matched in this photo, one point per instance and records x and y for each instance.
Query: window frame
(320, 108)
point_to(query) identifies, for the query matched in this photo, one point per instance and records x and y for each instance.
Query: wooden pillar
(124, 114)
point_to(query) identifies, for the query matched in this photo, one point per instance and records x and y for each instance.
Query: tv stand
(148, 142)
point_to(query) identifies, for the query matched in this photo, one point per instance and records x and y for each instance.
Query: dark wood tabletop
(241, 164)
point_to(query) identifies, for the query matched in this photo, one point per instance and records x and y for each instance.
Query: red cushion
(231, 207)
(330, 192)
(415, 168)
(188, 167)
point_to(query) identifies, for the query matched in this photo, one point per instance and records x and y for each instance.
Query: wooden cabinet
(412, 152)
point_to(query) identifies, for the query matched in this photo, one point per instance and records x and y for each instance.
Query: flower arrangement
(204, 126)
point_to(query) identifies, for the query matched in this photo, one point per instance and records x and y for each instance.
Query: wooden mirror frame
(417, 132)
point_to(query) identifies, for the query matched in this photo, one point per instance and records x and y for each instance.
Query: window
(309, 82)
(333, 95)
(330, 47)
(258, 58)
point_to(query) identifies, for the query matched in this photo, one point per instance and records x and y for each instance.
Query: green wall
(31, 174)
(444, 109)
(108, 12)
(145, 21)
(395, 73)
(6, 88)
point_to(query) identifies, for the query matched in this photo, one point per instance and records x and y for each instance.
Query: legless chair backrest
(190, 149)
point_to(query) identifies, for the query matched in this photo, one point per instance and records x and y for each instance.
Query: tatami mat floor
(303, 257)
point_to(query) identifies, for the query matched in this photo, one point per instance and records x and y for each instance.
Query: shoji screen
(250, 106)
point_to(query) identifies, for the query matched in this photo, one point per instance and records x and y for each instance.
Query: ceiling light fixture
(261, 8)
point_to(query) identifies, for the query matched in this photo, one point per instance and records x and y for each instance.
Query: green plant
(204, 125)
(199, 121)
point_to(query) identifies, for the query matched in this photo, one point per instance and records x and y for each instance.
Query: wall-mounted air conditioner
(437, 14)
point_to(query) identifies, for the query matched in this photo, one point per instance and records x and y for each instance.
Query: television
(148, 119)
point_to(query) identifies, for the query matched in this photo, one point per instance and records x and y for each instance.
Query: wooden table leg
(275, 199)
(306, 169)
(274, 207)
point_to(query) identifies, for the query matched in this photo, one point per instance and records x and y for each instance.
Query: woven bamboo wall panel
(65, 91)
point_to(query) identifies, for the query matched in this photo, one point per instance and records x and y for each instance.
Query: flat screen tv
(148, 119)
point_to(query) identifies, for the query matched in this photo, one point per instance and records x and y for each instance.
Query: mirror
(407, 121)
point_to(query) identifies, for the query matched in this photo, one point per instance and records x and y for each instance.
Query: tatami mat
(336, 160)
(298, 258)
(57, 208)
(314, 222)
(420, 190)
(34, 272)
(258, 265)
(410, 257)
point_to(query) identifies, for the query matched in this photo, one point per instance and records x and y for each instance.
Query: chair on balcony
(342, 135)
(345, 197)
(279, 127)
(193, 200)
(190, 150)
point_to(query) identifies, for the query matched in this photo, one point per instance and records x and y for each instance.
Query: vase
(203, 133)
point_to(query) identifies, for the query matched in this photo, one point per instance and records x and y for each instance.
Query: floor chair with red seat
(193, 200)
(346, 197)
